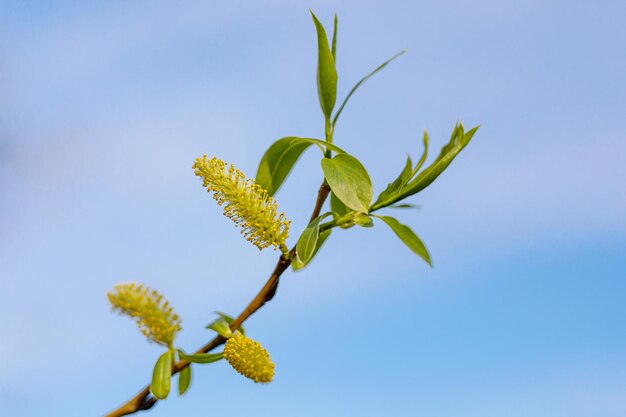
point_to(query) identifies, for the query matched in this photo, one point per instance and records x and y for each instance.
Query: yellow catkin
(249, 358)
(245, 202)
(154, 316)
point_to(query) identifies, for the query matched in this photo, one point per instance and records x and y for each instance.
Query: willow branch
(143, 400)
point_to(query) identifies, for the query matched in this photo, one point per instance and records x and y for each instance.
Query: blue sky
(105, 105)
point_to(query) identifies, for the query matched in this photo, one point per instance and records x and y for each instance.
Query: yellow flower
(245, 202)
(154, 316)
(249, 358)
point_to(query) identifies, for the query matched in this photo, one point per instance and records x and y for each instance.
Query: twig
(143, 400)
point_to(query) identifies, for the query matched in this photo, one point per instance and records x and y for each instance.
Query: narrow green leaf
(407, 236)
(280, 158)
(395, 186)
(278, 161)
(349, 181)
(229, 320)
(297, 264)
(336, 206)
(405, 206)
(202, 357)
(459, 140)
(367, 77)
(161, 376)
(470, 134)
(184, 379)
(326, 72)
(308, 241)
(221, 327)
(334, 43)
(424, 153)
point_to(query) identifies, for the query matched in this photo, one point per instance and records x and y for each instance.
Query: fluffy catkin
(245, 202)
(154, 316)
(249, 358)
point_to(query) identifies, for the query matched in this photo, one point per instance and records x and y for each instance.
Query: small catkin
(245, 202)
(249, 358)
(154, 315)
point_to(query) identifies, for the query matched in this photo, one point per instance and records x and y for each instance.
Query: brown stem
(143, 400)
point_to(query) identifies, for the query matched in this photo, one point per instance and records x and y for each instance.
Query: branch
(143, 400)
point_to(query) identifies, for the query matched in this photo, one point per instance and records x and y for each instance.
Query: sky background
(105, 105)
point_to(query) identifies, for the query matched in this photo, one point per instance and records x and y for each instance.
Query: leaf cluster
(352, 189)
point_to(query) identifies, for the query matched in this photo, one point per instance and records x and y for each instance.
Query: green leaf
(221, 327)
(424, 153)
(408, 172)
(349, 181)
(202, 357)
(309, 241)
(280, 158)
(367, 77)
(161, 376)
(395, 186)
(458, 141)
(184, 379)
(326, 72)
(297, 265)
(334, 43)
(278, 161)
(407, 236)
(337, 206)
(229, 320)
(405, 206)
